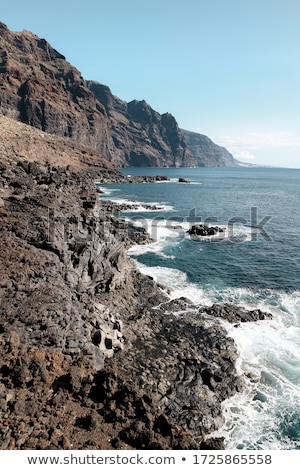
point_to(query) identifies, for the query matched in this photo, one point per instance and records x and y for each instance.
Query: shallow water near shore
(255, 264)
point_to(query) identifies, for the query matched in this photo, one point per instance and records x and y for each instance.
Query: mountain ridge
(39, 87)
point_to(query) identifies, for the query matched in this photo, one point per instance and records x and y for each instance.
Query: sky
(228, 69)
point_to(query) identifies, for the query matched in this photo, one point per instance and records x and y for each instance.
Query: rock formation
(206, 152)
(204, 230)
(38, 86)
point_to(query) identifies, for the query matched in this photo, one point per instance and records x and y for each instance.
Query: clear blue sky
(229, 69)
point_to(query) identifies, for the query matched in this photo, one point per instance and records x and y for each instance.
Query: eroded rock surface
(93, 354)
(38, 86)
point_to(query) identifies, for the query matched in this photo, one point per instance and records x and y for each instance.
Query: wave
(175, 180)
(166, 231)
(266, 415)
(139, 206)
(107, 191)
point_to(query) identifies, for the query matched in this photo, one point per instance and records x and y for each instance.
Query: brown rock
(40, 88)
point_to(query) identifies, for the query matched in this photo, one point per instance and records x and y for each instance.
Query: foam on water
(266, 414)
(107, 191)
(167, 231)
(177, 282)
(138, 206)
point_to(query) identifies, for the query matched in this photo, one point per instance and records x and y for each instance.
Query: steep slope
(39, 87)
(142, 136)
(206, 152)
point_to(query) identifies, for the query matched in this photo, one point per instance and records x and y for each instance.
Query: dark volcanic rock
(183, 180)
(186, 367)
(91, 352)
(111, 206)
(204, 230)
(235, 314)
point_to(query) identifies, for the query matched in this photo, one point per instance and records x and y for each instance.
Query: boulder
(204, 230)
(183, 180)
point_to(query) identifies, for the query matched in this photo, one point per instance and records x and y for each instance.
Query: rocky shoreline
(94, 355)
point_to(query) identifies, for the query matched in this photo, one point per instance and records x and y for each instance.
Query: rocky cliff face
(40, 88)
(206, 152)
(142, 136)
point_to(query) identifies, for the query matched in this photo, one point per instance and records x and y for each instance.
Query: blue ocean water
(255, 264)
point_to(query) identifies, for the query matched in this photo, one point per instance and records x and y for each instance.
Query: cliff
(39, 87)
(143, 137)
(206, 152)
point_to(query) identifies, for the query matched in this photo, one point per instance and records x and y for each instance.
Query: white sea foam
(266, 414)
(175, 180)
(162, 231)
(177, 282)
(168, 230)
(139, 206)
(107, 191)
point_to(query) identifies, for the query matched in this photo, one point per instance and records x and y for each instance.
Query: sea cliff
(39, 87)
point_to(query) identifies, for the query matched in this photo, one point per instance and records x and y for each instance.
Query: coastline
(94, 354)
(265, 414)
(84, 364)
(183, 310)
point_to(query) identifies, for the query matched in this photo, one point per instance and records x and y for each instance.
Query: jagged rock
(38, 86)
(204, 230)
(93, 354)
(183, 180)
(234, 313)
(186, 368)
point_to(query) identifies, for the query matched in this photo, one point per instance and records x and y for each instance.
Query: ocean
(253, 263)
